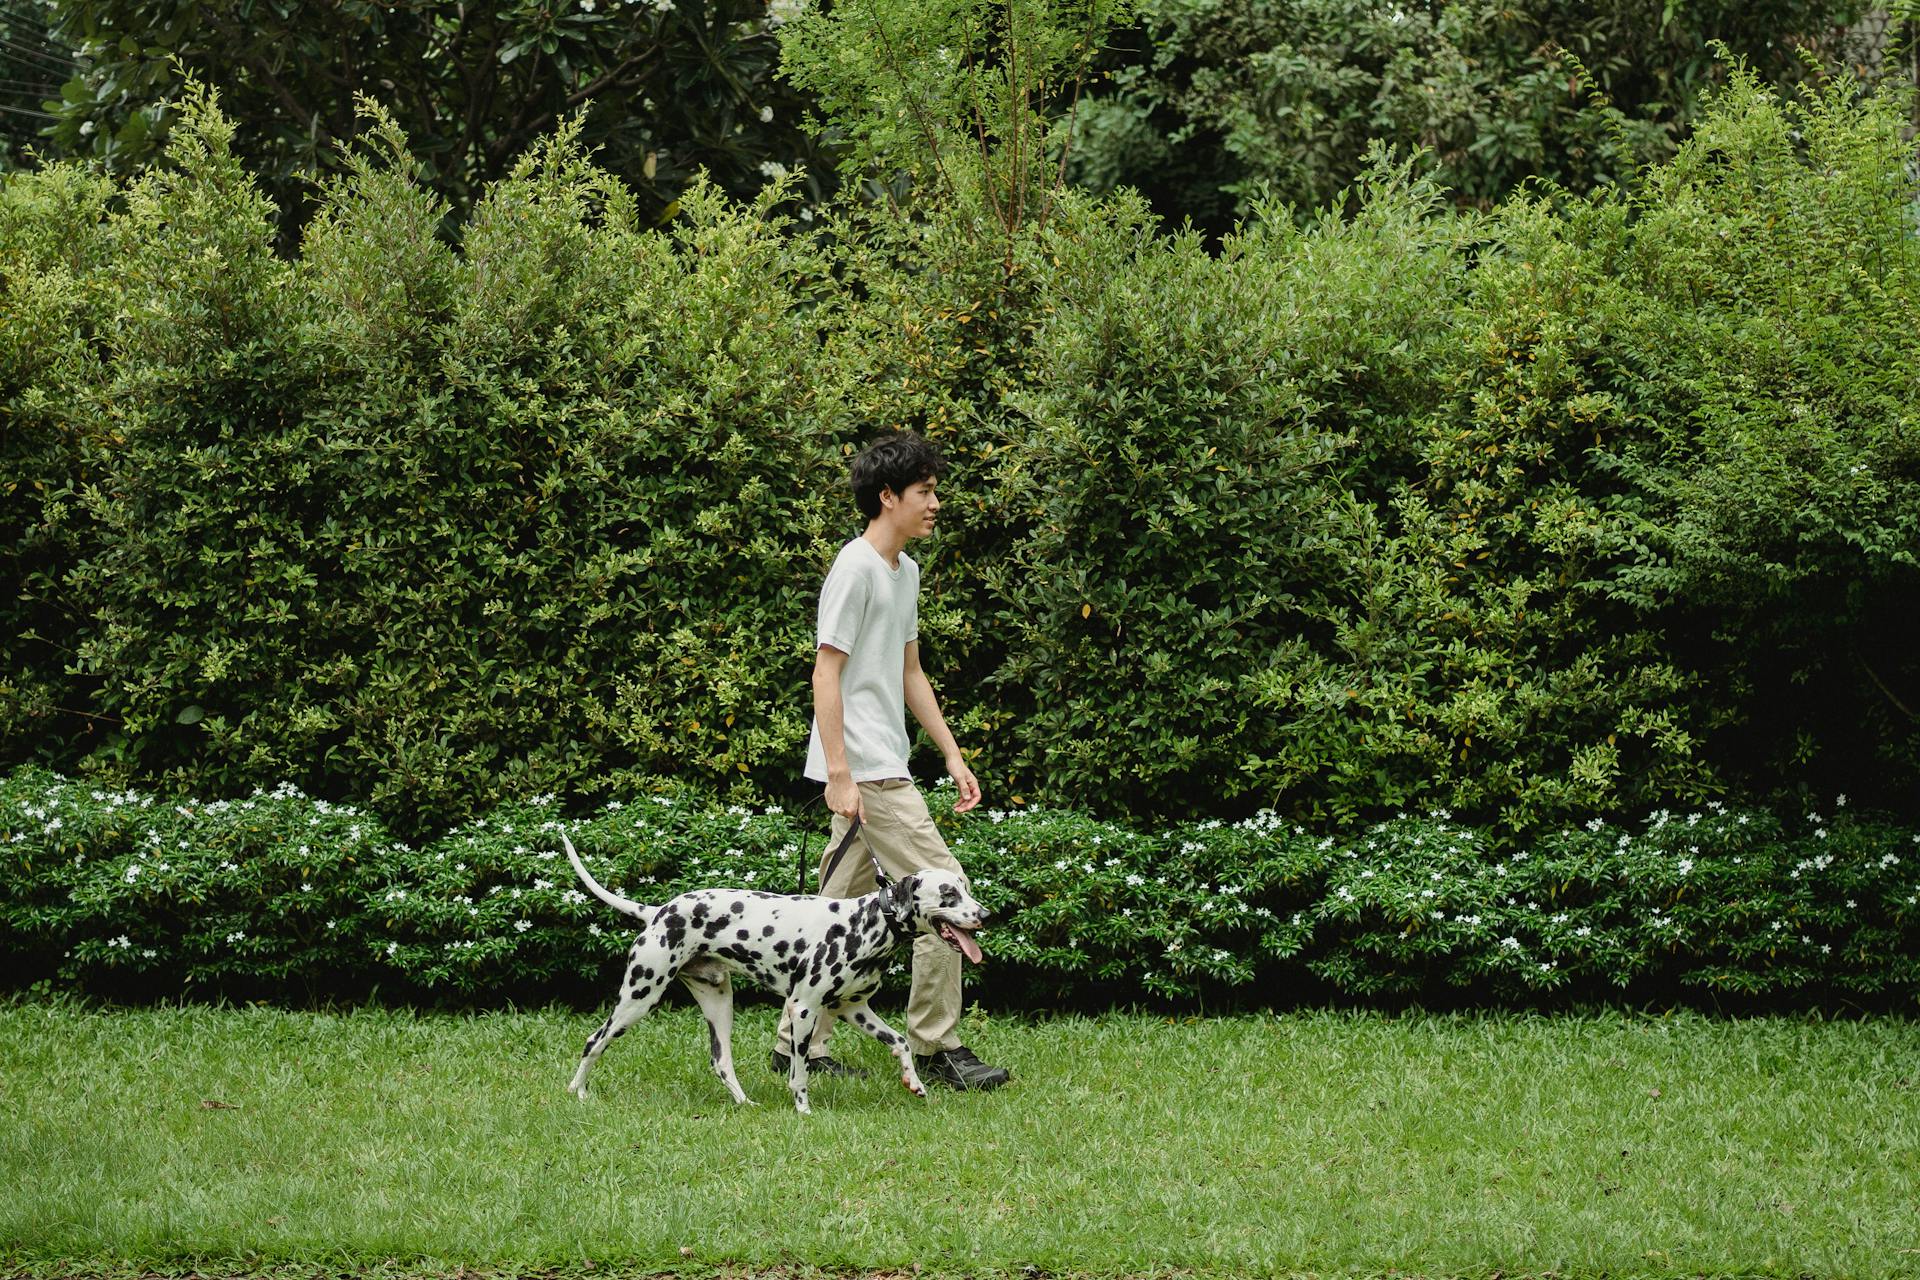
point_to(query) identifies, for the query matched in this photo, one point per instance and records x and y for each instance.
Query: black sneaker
(821, 1066)
(959, 1069)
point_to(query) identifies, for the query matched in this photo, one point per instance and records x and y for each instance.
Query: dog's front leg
(868, 1021)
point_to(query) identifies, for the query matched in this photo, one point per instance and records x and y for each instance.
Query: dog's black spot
(713, 1043)
(743, 934)
(737, 907)
(766, 931)
(780, 947)
(834, 907)
(949, 896)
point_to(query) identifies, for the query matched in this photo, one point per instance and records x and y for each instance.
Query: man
(866, 673)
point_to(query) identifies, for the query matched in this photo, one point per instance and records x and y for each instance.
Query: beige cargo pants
(899, 832)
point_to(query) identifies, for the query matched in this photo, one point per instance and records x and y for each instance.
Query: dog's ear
(906, 889)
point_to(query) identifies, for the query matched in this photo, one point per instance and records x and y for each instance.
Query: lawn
(239, 1140)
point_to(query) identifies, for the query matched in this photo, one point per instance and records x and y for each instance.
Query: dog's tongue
(962, 939)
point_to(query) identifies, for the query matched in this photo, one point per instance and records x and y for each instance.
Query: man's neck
(886, 541)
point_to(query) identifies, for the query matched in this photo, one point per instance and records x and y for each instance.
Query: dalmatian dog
(821, 954)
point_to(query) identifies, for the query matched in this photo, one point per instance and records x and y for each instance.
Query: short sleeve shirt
(869, 611)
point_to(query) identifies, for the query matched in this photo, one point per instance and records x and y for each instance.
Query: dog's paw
(913, 1084)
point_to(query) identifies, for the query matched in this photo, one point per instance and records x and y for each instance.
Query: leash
(880, 877)
(833, 859)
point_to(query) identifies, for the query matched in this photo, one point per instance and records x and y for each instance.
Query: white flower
(521, 926)
(766, 115)
(1686, 865)
(1511, 944)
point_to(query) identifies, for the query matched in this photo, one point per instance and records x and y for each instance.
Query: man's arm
(926, 709)
(829, 713)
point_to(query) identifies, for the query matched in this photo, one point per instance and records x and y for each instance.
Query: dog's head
(938, 902)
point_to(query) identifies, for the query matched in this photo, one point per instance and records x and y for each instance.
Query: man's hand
(843, 797)
(969, 785)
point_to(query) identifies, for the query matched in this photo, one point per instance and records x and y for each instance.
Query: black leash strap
(833, 859)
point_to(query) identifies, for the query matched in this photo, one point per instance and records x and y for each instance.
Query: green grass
(1321, 1143)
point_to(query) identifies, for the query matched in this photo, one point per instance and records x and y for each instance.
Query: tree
(32, 68)
(970, 101)
(668, 86)
(1211, 102)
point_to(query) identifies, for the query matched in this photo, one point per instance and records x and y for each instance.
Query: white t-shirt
(870, 612)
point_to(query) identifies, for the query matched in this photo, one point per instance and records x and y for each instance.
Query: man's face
(913, 511)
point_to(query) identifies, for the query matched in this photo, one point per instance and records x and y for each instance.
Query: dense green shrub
(453, 526)
(1173, 469)
(276, 893)
(1586, 506)
(1774, 504)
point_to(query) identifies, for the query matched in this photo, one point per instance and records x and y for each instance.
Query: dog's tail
(626, 906)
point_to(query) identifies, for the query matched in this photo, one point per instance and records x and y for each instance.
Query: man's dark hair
(897, 462)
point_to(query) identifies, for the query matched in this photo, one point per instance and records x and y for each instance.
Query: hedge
(124, 893)
(1586, 506)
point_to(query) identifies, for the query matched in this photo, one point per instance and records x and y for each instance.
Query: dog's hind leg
(868, 1021)
(806, 1020)
(712, 987)
(646, 983)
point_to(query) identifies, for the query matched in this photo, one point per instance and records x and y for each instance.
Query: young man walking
(866, 674)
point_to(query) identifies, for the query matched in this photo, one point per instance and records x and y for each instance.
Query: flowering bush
(281, 894)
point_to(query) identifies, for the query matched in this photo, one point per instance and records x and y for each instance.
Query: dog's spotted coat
(821, 954)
